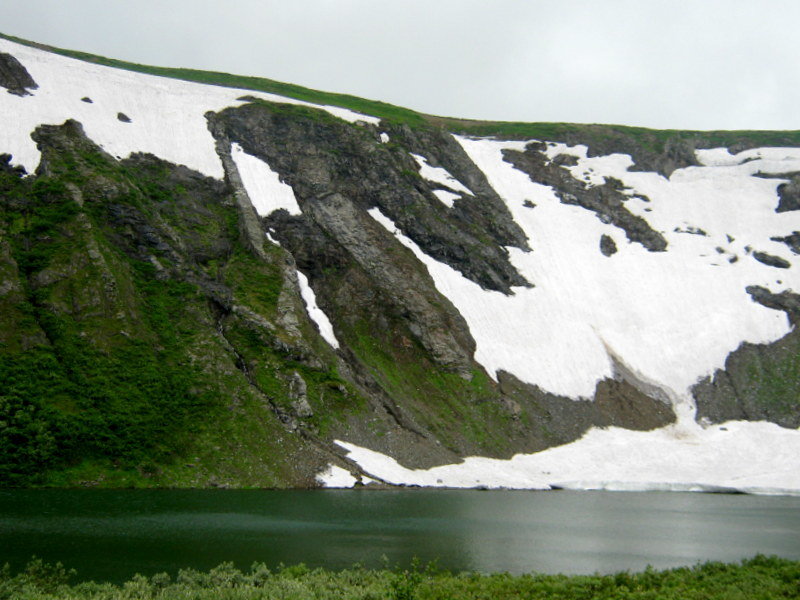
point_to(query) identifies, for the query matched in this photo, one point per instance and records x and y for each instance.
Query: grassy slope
(652, 138)
(759, 578)
(133, 387)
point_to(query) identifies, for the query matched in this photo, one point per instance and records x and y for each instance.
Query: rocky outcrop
(789, 195)
(15, 77)
(485, 209)
(771, 260)
(395, 271)
(318, 155)
(606, 200)
(787, 301)
(759, 381)
(607, 245)
(792, 241)
(554, 420)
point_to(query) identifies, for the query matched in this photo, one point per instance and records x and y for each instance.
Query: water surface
(110, 535)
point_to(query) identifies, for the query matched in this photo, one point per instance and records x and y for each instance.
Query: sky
(682, 64)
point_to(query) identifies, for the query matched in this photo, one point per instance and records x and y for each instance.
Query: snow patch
(384, 137)
(447, 198)
(263, 185)
(721, 157)
(336, 477)
(752, 457)
(315, 312)
(167, 115)
(439, 175)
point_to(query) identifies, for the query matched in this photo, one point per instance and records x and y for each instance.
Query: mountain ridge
(163, 263)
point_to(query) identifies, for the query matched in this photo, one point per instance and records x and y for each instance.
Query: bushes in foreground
(759, 578)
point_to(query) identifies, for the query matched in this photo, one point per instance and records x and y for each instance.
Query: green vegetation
(759, 578)
(453, 407)
(111, 371)
(67, 398)
(122, 363)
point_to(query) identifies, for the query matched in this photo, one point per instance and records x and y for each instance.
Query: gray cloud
(671, 64)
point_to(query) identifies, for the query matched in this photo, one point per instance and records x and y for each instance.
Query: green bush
(760, 578)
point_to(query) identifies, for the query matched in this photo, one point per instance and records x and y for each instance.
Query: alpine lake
(108, 535)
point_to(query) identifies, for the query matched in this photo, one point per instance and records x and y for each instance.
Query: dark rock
(15, 77)
(771, 260)
(786, 301)
(565, 160)
(758, 381)
(486, 207)
(395, 271)
(756, 385)
(789, 195)
(318, 155)
(793, 241)
(123, 117)
(299, 398)
(606, 201)
(86, 99)
(692, 230)
(607, 245)
(559, 420)
(528, 204)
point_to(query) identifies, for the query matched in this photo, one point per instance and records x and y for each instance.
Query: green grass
(454, 408)
(759, 578)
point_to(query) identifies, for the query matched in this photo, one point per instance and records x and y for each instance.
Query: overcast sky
(699, 64)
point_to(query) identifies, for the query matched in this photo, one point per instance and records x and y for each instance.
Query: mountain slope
(211, 286)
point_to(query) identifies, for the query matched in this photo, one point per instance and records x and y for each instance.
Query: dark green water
(112, 534)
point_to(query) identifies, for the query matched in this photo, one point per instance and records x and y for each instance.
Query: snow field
(670, 317)
(752, 457)
(167, 115)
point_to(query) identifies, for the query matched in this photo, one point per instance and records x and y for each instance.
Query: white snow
(167, 115)
(263, 185)
(721, 157)
(446, 198)
(439, 175)
(753, 457)
(315, 312)
(670, 317)
(384, 137)
(336, 477)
